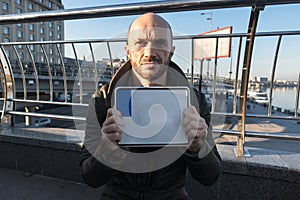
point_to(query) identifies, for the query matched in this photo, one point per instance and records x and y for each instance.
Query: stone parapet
(55, 153)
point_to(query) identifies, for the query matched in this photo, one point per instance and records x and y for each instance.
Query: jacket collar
(173, 76)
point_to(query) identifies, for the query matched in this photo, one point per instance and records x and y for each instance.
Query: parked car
(42, 122)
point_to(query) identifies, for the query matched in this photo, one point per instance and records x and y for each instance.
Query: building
(263, 80)
(27, 32)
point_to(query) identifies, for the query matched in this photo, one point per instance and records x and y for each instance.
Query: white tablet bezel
(146, 142)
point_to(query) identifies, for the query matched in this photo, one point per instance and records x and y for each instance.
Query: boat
(258, 97)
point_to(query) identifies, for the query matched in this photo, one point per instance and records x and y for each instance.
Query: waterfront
(284, 97)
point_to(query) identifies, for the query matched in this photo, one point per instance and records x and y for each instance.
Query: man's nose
(149, 50)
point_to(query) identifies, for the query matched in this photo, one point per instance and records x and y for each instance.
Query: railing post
(297, 97)
(240, 151)
(273, 75)
(29, 120)
(201, 72)
(7, 80)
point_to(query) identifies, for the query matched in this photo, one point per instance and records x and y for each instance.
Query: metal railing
(76, 79)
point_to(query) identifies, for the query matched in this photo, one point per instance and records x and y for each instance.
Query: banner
(205, 48)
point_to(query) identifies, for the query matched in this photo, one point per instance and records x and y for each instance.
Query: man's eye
(160, 43)
(139, 43)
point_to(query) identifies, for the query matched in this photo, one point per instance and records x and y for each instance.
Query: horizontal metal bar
(62, 117)
(284, 136)
(225, 114)
(131, 9)
(65, 41)
(259, 34)
(49, 102)
(274, 117)
(257, 116)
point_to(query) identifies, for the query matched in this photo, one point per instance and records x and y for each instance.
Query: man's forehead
(149, 32)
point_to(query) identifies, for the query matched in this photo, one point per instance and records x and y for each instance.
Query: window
(50, 24)
(59, 27)
(58, 36)
(41, 23)
(18, 10)
(51, 51)
(5, 6)
(31, 37)
(41, 1)
(41, 9)
(42, 58)
(41, 30)
(57, 8)
(42, 39)
(50, 33)
(20, 46)
(5, 30)
(50, 4)
(19, 34)
(5, 40)
(21, 55)
(7, 52)
(19, 25)
(51, 59)
(31, 47)
(30, 6)
(19, 2)
(30, 82)
(31, 27)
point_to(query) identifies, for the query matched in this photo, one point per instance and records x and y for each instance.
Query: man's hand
(195, 129)
(111, 128)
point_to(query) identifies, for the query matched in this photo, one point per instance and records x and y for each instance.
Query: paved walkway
(16, 185)
(261, 125)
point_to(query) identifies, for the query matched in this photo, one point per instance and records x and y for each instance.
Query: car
(42, 122)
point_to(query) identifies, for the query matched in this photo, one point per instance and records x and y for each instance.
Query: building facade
(29, 32)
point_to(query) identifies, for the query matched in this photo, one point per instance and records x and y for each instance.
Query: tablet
(152, 115)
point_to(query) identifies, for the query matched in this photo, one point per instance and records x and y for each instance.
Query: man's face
(150, 50)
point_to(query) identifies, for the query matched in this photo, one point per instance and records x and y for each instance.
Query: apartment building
(27, 32)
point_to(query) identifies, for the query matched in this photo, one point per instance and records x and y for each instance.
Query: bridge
(49, 156)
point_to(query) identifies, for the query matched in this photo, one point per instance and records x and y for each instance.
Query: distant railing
(29, 81)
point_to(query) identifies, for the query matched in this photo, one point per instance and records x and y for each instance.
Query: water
(284, 97)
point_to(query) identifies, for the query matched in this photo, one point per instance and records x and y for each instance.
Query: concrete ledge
(48, 152)
(17, 185)
(268, 174)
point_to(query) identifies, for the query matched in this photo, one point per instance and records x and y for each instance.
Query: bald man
(147, 173)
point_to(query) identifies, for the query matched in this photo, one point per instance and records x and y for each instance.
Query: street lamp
(209, 18)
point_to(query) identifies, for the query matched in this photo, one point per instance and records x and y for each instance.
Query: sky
(273, 18)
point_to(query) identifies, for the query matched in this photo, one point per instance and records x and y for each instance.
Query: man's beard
(159, 68)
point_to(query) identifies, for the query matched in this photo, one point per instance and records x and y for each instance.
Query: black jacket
(165, 183)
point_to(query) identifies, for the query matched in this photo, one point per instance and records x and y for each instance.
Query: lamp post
(209, 18)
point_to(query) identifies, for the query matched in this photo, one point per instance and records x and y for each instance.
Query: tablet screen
(152, 115)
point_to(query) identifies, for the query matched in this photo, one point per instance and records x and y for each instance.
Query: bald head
(150, 48)
(150, 20)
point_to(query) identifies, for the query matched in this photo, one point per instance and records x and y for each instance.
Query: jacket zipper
(141, 195)
(142, 182)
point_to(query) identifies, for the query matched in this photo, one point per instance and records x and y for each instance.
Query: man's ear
(172, 52)
(127, 50)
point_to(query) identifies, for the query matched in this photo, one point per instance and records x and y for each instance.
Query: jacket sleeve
(93, 172)
(205, 170)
